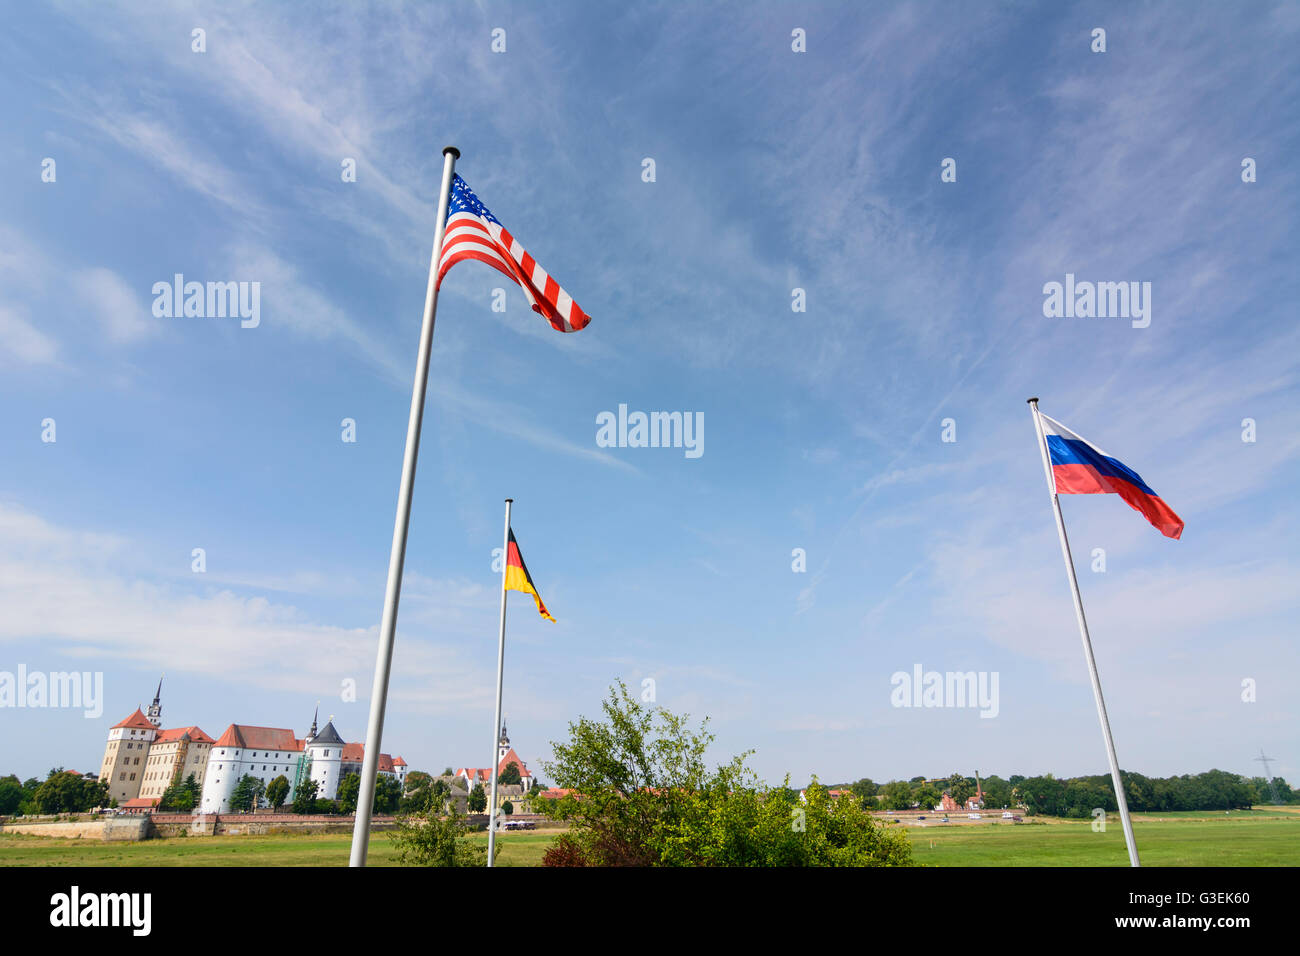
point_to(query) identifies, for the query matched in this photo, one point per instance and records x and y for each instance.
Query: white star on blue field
(780, 178)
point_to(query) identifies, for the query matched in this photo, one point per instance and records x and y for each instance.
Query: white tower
(503, 745)
(326, 755)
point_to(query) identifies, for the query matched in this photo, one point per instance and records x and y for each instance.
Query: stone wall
(87, 830)
(145, 826)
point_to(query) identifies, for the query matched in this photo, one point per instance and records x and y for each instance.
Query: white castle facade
(137, 775)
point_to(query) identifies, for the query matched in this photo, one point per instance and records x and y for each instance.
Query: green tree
(434, 841)
(507, 808)
(926, 797)
(182, 796)
(388, 795)
(277, 791)
(897, 795)
(64, 792)
(510, 774)
(865, 790)
(960, 788)
(11, 795)
(304, 798)
(427, 796)
(477, 799)
(349, 791)
(643, 795)
(417, 780)
(997, 792)
(246, 794)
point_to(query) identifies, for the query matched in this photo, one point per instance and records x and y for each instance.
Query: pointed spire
(155, 709)
(312, 733)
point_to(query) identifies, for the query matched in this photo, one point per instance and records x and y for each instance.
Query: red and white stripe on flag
(474, 233)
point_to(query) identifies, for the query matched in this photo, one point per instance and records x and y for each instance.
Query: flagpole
(1120, 799)
(501, 663)
(397, 557)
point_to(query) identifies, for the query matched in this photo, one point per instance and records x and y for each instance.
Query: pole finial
(510, 500)
(1031, 401)
(451, 149)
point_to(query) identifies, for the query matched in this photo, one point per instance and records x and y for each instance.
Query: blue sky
(774, 170)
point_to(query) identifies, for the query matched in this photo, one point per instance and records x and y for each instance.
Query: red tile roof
(140, 803)
(175, 733)
(355, 753)
(245, 737)
(512, 757)
(136, 720)
(399, 762)
(551, 793)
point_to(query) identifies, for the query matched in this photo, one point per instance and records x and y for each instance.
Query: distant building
(505, 757)
(173, 756)
(269, 752)
(141, 759)
(948, 805)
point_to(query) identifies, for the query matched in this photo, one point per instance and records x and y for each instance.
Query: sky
(826, 538)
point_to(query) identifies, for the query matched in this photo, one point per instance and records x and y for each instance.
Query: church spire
(312, 733)
(155, 709)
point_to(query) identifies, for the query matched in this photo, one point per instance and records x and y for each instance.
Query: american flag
(474, 233)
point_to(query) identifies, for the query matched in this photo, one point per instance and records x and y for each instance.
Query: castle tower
(126, 756)
(154, 713)
(326, 754)
(503, 745)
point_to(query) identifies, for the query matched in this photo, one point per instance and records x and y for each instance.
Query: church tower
(503, 745)
(154, 713)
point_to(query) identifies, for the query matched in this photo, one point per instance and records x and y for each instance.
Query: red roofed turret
(136, 720)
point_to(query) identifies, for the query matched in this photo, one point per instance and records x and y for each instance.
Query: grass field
(1243, 838)
(517, 849)
(1272, 841)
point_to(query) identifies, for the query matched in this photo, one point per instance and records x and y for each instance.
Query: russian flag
(1081, 468)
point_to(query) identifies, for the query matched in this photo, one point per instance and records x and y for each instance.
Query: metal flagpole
(384, 660)
(501, 662)
(1087, 641)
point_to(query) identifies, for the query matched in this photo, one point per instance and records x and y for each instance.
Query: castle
(142, 760)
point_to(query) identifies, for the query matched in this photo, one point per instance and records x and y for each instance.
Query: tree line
(1078, 796)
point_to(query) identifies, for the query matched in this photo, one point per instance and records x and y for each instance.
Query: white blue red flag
(474, 233)
(1081, 468)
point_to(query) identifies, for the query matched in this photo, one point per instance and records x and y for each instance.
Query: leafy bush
(642, 795)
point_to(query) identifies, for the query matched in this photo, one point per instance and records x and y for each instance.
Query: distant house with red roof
(471, 776)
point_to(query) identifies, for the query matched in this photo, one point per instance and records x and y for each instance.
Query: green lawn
(517, 849)
(1243, 838)
(1161, 842)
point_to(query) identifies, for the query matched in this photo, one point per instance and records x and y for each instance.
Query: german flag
(518, 578)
